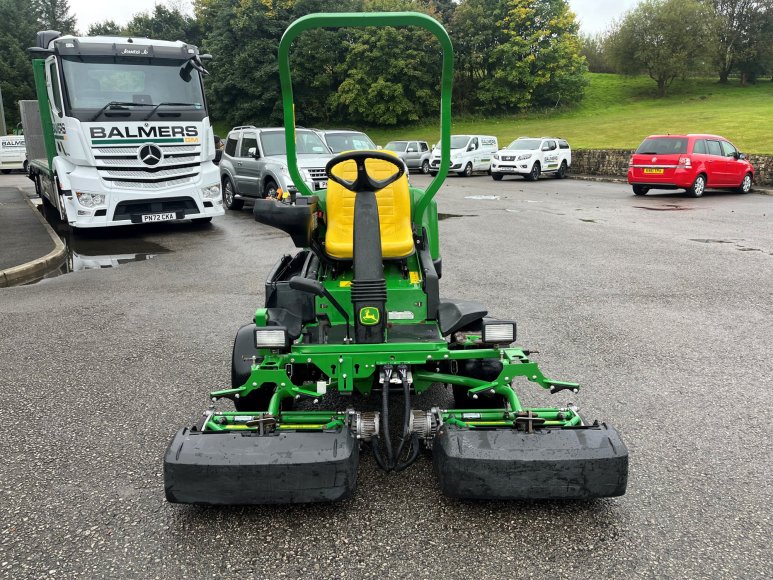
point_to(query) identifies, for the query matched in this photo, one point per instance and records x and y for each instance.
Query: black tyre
(496, 176)
(467, 170)
(270, 189)
(6, 171)
(433, 173)
(26, 166)
(698, 186)
(244, 348)
(536, 171)
(746, 184)
(425, 167)
(204, 220)
(640, 190)
(229, 196)
(562, 171)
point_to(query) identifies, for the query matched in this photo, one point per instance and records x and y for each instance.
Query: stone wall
(614, 163)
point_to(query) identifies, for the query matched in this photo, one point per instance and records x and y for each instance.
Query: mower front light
(498, 332)
(90, 199)
(211, 192)
(271, 337)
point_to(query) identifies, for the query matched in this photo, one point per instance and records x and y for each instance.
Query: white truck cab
(531, 157)
(469, 154)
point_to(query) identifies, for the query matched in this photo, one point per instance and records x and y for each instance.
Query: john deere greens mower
(358, 310)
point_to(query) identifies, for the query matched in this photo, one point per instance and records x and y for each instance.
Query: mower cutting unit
(358, 310)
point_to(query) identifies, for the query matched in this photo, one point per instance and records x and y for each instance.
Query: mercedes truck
(119, 133)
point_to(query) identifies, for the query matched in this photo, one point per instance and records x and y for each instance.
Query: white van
(13, 153)
(469, 154)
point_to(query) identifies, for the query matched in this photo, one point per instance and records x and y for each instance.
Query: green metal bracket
(358, 20)
(39, 72)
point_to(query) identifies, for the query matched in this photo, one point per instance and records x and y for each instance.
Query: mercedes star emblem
(150, 154)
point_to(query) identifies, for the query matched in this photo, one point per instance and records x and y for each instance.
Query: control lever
(315, 287)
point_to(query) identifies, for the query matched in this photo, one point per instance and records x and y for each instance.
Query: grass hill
(619, 112)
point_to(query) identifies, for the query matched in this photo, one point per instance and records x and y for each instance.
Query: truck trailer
(120, 132)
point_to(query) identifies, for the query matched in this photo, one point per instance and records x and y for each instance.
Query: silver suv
(254, 163)
(340, 140)
(415, 154)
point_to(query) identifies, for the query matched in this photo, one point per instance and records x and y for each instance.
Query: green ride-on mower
(358, 309)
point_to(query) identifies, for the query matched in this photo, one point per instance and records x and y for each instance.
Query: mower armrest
(299, 220)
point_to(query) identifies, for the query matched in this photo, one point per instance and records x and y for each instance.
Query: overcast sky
(594, 15)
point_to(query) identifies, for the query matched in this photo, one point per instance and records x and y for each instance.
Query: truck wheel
(270, 190)
(229, 196)
(26, 166)
(425, 167)
(204, 220)
(562, 171)
(535, 172)
(467, 170)
(640, 190)
(6, 171)
(496, 176)
(698, 186)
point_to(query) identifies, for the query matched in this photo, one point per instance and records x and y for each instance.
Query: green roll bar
(362, 19)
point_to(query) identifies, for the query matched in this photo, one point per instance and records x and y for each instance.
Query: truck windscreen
(91, 83)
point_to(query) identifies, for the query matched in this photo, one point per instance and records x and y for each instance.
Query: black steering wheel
(364, 182)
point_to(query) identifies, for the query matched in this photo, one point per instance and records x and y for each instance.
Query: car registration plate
(159, 217)
(653, 171)
(321, 184)
(505, 169)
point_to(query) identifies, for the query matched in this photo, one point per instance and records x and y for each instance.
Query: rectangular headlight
(271, 337)
(498, 332)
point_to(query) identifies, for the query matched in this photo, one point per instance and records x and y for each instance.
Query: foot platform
(573, 463)
(229, 468)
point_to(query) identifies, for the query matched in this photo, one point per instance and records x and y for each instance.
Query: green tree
(754, 51)
(106, 28)
(594, 51)
(165, 23)
(665, 39)
(540, 63)
(476, 33)
(391, 74)
(17, 33)
(54, 15)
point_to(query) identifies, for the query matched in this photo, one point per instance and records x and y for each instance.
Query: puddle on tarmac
(589, 221)
(445, 216)
(712, 241)
(482, 197)
(666, 207)
(99, 249)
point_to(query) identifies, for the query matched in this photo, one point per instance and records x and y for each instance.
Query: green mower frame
(329, 325)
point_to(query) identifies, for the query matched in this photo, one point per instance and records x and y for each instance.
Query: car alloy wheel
(699, 186)
(425, 167)
(746, 184)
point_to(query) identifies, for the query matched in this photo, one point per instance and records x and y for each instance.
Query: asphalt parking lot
(661, 307)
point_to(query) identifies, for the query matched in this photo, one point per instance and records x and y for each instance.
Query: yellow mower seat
(394, 212)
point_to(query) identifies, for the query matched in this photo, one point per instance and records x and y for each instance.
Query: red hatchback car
(691, 162)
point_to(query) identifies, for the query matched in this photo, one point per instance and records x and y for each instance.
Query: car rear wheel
(229, 196)
(425, 167)
(640, 190)
(698, 186)
(496, 176)
(562, 171)
(746, 184)
(535, 172)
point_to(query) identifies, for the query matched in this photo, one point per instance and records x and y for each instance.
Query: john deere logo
(369, 315)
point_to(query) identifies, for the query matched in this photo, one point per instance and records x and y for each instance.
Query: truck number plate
(158, 217)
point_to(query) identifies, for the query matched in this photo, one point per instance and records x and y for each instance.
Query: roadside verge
(34, 268)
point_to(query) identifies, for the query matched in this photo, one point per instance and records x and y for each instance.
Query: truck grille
(122, 167)
(317, 173)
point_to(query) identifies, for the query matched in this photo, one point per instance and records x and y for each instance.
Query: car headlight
(90, 199)
(524, 156)
(211, 191)
(496, 156)
(499, 332)
(271, 337)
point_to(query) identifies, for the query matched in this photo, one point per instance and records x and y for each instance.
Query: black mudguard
(237, 469)
(576, 463)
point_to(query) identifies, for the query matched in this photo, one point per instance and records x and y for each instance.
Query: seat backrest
(394, 212)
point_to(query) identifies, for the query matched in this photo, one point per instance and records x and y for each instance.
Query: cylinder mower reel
(358, 310)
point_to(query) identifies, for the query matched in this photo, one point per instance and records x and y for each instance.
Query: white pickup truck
(531, 157)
